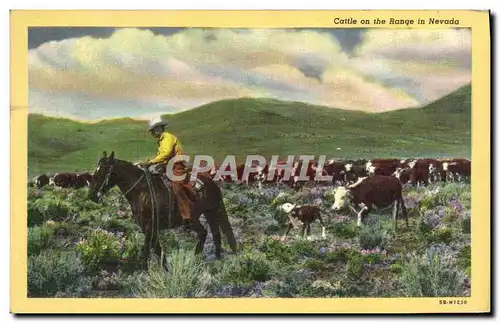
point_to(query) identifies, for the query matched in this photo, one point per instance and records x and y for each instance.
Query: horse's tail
(225, 226)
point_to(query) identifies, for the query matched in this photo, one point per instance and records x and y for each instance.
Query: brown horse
(153, 203)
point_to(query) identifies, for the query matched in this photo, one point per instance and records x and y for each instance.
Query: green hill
(261, 126)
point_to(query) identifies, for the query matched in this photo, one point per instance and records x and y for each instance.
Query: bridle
(108, 177)
(105, 182)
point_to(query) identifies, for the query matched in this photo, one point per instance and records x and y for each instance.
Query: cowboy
(168, 147)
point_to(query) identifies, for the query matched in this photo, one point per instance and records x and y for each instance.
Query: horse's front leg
(201, 232)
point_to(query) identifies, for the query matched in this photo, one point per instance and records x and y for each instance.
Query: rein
(127, 191)
(154, 211)
(155, 208)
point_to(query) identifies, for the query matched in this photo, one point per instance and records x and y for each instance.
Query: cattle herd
(417, 172)
(421, 171)
(64, 180)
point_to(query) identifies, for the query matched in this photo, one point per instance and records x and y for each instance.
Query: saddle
(160, 170)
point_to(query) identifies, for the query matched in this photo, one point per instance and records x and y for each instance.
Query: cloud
(447, 45)
(426, 64)
(387, 70)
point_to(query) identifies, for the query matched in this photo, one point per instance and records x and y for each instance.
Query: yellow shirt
(168, 147)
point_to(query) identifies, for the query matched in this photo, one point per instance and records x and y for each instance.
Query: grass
(97, 252)
(260, 126)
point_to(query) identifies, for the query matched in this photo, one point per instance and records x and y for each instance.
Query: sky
(91, 73)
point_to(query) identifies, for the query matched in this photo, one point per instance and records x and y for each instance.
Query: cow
(83, 180)
(41, 180)
(428, 169)
(385, 167)
(240, 168)
(213, 171)
(403, 174)
(297, 170)
(457, 169)
(377, 191)
(306, 214)
(64, 180)
(355, 170)
(336, 169)
(278, 174)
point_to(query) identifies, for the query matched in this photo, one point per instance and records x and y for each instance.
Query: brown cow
(83, 180)
(403, 174)
(457, 169)
(385, 167)
(41, 180)
(239, 174)
(433, 166)
(306, 214)
(374, 191)
(297, 170)
(336, 169)
(278, 174)
(64, 180)
(355, 170)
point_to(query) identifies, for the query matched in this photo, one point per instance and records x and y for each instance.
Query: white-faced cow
(374, 191)
(385, 167)
(355, 170)
(425, 171)
(305, 214)
(403, 174)
(457, 169)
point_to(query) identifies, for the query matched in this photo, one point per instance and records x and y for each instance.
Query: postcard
(250, 162)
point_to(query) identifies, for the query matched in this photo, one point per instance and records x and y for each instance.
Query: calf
(374, 191)
(306, 214)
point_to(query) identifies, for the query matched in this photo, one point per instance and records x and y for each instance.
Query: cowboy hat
(156, 122)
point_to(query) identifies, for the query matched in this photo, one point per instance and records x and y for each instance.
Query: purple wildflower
(456, 205)
(432, 219)
(318, 201)
(411, 202)
(317, 193)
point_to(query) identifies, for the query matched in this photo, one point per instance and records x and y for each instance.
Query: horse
(153, 203)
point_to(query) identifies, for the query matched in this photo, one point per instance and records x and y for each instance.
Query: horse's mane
(128, 164)
(124, 162)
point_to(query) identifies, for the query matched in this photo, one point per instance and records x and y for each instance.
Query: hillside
(261, 126)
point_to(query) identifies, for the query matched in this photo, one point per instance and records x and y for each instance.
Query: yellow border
(21, 20)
